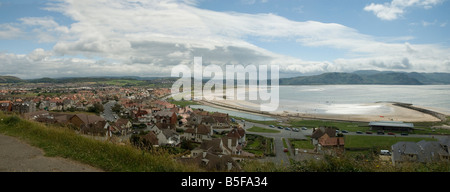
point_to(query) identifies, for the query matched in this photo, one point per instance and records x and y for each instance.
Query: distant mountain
(10, 79)
(357, 77)
(370, 77)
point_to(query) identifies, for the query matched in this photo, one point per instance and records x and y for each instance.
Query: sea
(353, 99)
(361, 99)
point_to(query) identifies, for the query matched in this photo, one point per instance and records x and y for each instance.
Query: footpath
(18, 156)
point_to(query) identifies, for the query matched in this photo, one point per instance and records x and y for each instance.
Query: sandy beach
(365, 112)
(372, 112)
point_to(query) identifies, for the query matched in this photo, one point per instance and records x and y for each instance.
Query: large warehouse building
(391, 126)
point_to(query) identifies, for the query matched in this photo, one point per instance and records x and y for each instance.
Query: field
(364, 141)
(301, 144)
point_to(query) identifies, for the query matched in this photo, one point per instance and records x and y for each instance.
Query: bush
(11, 121)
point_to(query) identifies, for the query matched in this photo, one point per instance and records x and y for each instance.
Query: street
(281, 157)
(108, 114)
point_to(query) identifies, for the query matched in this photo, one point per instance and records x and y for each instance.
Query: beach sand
(374, 112)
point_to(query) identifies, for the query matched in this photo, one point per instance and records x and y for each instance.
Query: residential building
(422, 151)
(166, 117)
(325, 141)
(123, 126)
(6, 106)
(198, 133)
(214, 162)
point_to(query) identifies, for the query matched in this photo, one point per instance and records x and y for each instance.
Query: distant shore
(397, 113)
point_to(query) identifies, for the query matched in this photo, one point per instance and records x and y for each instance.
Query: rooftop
(391, 124)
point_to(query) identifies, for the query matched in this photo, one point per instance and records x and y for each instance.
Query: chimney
(229, 166)
(204, 154)
(229, 143)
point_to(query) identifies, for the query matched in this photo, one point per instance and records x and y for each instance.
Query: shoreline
(399, 113)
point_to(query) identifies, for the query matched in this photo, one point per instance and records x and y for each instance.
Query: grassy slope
(56, 141)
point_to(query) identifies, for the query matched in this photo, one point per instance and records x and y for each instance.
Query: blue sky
(147, 38)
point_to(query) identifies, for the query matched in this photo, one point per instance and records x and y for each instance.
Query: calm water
(353, 99)
(342, 98)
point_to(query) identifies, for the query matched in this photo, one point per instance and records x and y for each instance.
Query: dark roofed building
(391, 126)
(422, 151)
(215, 162)
(198, 133)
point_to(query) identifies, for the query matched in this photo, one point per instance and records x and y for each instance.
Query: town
(146, 117)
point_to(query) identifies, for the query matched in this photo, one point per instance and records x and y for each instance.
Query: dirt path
(17, 156)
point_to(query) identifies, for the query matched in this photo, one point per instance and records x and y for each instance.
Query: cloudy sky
(79, 38)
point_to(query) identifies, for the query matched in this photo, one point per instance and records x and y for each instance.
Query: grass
(301, 144)
(63, 142)
(349, 126)
(364, 141)
(262, 130)
(275, 123)
(259, 145)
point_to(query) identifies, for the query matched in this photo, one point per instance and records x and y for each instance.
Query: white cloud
(147, 38)
(396, 8)
(9, 31)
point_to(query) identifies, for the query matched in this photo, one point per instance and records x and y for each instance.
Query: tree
(96, 108)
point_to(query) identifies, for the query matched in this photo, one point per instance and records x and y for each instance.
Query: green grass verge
(259, 145)
(349, 126)
(262, 130)
(63, 142)
(301, 144)
(364, 141)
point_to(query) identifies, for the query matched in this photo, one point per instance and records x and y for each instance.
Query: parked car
(368, 132)
(295, 129)
(380, 133)
(359, 132)
(404, 134)
(287, 129)
(285, 150)
(304, 128)
(271, 126)
(390, 133)
(279, 127)
(344, 131)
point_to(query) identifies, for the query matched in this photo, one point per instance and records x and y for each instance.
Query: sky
(82, 38)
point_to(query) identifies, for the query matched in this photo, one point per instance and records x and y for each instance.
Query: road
(17, 156)
(281, 157)
(108, 114)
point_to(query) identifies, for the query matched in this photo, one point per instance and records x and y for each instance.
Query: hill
(10, 79)
(370, 77)
(334, 78)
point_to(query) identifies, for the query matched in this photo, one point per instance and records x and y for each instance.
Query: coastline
(397, 112)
